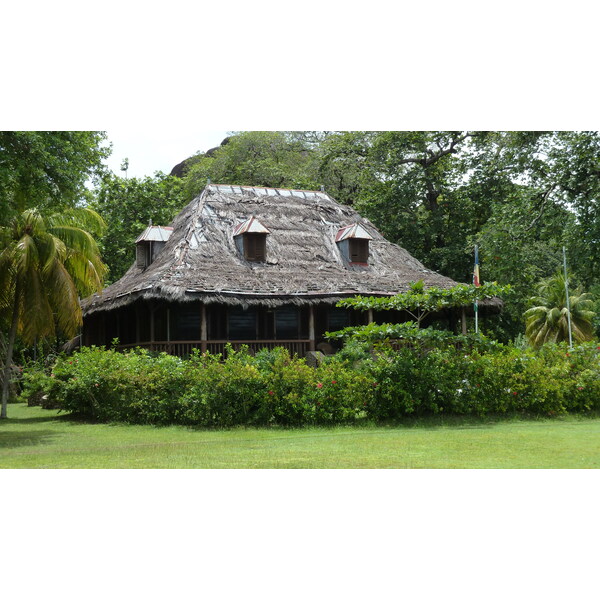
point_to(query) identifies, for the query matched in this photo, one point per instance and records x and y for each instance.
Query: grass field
(36, 438)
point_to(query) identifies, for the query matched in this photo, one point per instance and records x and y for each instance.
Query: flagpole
(476, 283)
(568, 301)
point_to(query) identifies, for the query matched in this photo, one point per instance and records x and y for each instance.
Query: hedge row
(359, 383)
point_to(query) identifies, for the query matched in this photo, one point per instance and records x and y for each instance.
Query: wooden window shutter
(141, 255)
(261, 247)
(255, 246)
(359, 251)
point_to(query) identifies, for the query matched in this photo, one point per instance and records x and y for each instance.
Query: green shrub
(38, 387)
(379, 383)
(222, 393)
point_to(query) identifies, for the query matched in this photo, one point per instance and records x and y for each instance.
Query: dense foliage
(419, 302)
(361, 383)
(410, 333)
(128, 206)
(47, 170)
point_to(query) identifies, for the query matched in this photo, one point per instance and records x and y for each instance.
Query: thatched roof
(304, 265)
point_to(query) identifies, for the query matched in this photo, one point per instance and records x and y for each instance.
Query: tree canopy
(47, 169)
(127, 206)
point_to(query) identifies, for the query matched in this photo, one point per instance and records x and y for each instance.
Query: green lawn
(36, 438)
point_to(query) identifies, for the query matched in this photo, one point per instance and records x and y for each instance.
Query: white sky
(155, 150)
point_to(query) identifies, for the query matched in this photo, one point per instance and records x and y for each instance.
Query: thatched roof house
(250, 264)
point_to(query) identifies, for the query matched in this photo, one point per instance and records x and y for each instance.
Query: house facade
(249, 265)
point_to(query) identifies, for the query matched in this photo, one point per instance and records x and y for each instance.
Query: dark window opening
(286, 323)
(216, 316)
(160, 324)
(255, 246)
(241, 324)
(127, 325)
(156, 247)
(337, 318)
(185, 323)
(359, 250)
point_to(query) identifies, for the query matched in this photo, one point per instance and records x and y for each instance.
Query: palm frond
(26, 254)
(64, 298)
(35, 312)
(548, 320)
(31, 222)
(75, 238)
(87, 275)
(80, 217)
(45, 261)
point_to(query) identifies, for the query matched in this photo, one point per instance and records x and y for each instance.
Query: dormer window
(251, 240)
(149, 244)
(353, 242)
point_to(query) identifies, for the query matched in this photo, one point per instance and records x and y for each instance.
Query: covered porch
(179, 328)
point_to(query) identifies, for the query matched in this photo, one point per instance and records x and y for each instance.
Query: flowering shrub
(504, 380)
(380, 383)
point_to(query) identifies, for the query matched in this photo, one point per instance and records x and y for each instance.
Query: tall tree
(262, 158)
(47, 169)
(45, 264)
(127, 206)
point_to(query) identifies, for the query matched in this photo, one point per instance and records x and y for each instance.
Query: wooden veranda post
(311, 328)
(203, 328)
(152, 311)
(464, 321)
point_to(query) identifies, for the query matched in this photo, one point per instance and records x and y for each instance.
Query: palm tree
(547, 321)
(45, 264)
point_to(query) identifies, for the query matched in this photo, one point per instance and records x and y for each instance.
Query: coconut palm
(547, 321)
(45, 264)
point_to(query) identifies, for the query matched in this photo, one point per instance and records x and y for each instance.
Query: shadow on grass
(432, 422)
(44, 419)
(16, 439)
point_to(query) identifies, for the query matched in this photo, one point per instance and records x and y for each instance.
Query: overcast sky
(157, 149)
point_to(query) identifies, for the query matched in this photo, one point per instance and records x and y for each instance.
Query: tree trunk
(9, 352)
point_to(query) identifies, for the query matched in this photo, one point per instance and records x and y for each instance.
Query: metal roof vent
(252, 225)
(149, 244)
(355, 230)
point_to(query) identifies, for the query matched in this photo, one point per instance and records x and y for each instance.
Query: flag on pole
(476, 283)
